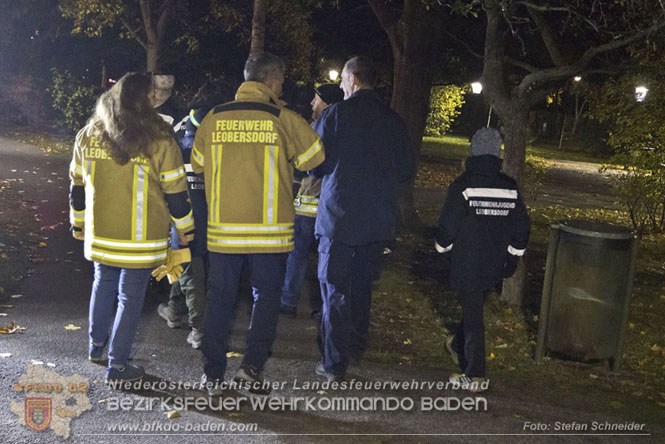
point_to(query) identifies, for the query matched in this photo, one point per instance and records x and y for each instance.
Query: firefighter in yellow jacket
(128, 185)
(247, 149)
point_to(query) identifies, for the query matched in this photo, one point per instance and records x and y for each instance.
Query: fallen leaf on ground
(6, 306)
(237, 415)
(72, 327)
(5, 355)
(172, 414)
(36, 362)
(16, 296)
(407, 342)
(631, 325)
(11, 328)
(42, 244)
(233, 355)
(3, 314)
(592, 376)
(492, 356)
(502, 346)
(101, 401)
(656, 348)
(322, 392)
(643, 333)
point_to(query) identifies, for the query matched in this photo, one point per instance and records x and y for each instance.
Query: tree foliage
(444, 105)
(637, 135)
(72, 98)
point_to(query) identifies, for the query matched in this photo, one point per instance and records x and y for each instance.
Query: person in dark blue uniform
(187, 296)
(306, 203)
(483, 231)
(368, 153)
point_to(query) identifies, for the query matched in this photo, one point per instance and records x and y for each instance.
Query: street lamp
(332, 75)
(477, 88)
(641, 93)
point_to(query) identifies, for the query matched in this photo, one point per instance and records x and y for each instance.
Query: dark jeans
(266, 278)
(296, 265)
(469, 340)
(346, 274)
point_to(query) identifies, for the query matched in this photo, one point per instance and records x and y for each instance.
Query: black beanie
(330, 93)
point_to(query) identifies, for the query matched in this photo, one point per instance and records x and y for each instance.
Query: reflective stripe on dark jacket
(482, 221)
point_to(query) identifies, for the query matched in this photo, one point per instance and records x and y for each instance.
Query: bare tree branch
(548, 36)
(387, 19)
(147, 20)
(560, 72)
(165, 14)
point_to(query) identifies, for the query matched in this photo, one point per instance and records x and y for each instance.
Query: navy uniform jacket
(367, 154)
(483, 221)
(198, 247)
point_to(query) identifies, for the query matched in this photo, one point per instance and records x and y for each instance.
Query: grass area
(457, 148)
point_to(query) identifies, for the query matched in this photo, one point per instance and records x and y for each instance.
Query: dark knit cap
(486, 141)
(330, 93)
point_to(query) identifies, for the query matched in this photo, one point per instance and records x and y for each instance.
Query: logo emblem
(38, 413)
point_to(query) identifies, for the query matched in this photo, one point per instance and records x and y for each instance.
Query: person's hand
(511, 266)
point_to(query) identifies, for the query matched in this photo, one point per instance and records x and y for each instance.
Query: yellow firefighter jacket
(126, 219)
(247, 150)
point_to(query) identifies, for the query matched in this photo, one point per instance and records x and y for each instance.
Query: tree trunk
(410, 99)
(515, 132)
(152, 57)
(258, 38)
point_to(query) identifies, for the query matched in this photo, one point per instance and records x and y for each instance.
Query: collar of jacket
(366, 92)
(485, 164)
(256, 92)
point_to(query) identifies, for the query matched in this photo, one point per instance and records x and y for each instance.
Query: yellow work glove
(79, 234)
(172, 269)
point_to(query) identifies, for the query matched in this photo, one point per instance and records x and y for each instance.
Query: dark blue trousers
(346, 274)
(266, 278)
(469, 340)
(296, 265)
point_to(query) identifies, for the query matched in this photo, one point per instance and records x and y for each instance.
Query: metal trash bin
(587, 289)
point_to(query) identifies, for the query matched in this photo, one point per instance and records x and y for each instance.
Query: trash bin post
(547, 291)
(615, 363)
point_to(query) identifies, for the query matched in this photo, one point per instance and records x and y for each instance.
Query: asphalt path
(55, 295)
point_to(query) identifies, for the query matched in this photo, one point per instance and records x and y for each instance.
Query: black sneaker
(288, 311)
(248, 375)
(214, 387)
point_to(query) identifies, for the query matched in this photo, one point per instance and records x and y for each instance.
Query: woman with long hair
(127, 184)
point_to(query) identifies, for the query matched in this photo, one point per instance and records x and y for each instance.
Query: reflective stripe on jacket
(247, 150)
(126, 218)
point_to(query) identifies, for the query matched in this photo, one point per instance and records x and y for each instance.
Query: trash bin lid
(595, 229)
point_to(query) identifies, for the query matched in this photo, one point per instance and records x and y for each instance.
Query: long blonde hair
(124, 121)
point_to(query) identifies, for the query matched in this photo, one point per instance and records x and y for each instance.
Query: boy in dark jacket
(483, 231)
